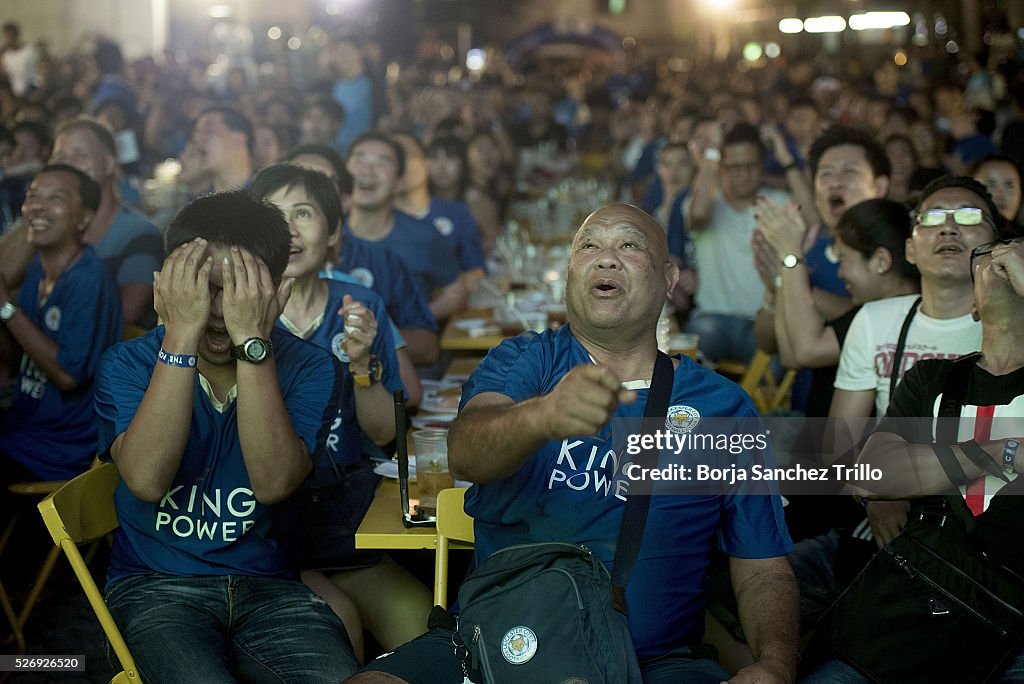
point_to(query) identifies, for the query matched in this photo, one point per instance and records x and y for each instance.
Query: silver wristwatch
(7, 311)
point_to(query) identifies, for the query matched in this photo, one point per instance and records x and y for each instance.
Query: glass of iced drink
(432, 473)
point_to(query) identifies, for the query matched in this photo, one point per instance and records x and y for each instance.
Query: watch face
(790, 260)
(255, 349)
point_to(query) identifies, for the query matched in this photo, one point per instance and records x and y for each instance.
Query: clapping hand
(360, 331)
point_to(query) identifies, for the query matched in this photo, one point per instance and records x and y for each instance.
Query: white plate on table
(435, 421)
(440, 403)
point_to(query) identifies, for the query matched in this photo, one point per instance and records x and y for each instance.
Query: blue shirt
(454, 221)
(209, 522)
(344, 443)
(425, 253)
(356, 96)
(573, 490)
(132, 248)
(383, 272)
(823, 266)
(49, 431)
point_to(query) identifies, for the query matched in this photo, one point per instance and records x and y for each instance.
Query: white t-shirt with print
(728, 282)
(870, 346)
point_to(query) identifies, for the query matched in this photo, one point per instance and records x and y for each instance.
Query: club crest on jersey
(519, 645)
(444, 225)
(338, 347)
(682, 419)
(363, 275)
(52, 318)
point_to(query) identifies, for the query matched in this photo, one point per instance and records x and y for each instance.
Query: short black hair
(744, 133)
(234, 120)
(329, 105)
(328, 154)
(875, 223)
(318, 187)
(88, 189)
(967, 183)
(847, 135)
(379, 136)
(235, 218)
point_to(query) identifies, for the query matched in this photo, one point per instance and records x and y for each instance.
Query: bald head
(632, 219)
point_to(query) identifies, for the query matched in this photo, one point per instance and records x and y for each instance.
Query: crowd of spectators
(784, 192)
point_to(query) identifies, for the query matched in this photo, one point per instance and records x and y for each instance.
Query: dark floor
(64, 624)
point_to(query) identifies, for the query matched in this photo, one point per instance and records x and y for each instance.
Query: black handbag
(931, 606)
(551, 612)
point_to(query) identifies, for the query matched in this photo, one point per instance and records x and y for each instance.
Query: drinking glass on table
(432, 474)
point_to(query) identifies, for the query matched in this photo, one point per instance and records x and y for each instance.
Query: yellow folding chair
(453, 525)
(759, 382)
(81, 511)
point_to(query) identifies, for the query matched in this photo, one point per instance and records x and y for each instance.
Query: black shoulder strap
(897, 359)
(634, 518)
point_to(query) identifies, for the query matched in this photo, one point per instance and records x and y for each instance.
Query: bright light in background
(274, 32)
(791, 25)
(900, 58)
(294, 43)
(772, 50)
(220, 11)
(719, 5)
(475, 59)
(878, 20)
(829, 24)
(752, 52)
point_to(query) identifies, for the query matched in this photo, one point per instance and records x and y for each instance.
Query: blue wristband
(177, 360)
(1010, 453)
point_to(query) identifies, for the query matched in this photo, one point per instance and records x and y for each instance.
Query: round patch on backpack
(519, 645)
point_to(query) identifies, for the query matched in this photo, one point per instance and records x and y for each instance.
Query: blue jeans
(723, 337)
(838, 672)
(226, 628)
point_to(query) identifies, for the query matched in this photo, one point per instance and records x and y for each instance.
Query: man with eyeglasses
(990, 428)
(955, 215)
(720, 214)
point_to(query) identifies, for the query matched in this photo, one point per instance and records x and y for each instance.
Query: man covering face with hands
(213, 418)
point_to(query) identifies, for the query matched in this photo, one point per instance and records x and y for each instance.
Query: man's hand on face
(583, 401)
(1008, 262)
(181, 290)
(251, 303)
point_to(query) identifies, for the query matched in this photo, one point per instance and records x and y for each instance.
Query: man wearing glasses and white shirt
(955, 214)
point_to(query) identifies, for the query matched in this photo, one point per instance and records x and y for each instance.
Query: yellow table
(454, 338)
(382, 526)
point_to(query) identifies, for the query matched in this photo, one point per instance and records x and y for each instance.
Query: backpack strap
(897, 359)
(634, 518)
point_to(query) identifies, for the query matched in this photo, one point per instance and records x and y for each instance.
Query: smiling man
(212, 419)
(67, 312)
(535, 398)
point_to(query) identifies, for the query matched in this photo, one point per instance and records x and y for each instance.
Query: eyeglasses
(967, 216)
(986, 248)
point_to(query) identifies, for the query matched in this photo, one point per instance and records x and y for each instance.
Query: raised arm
(275, 456)
(374, 407)
(148, 453)
(493, 436)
